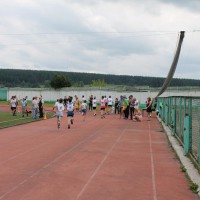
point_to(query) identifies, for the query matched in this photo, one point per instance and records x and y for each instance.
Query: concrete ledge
(186, 162)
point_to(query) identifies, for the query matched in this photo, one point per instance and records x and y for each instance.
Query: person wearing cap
(77, 104)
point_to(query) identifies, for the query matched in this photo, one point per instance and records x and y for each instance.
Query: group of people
(125, 107)
(37, 106)
(14, 103)
(128, 108)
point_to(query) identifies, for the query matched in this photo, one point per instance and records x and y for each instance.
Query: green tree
(60, 81)
(78, 84)
(99, 83)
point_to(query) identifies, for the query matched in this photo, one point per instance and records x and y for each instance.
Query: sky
(122, 37)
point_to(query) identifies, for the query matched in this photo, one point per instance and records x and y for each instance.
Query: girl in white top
(13, 103)
(59, 111)
(94, 106)
(70, 112)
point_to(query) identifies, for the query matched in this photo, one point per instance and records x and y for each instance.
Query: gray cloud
(120, 37)
(193, 5)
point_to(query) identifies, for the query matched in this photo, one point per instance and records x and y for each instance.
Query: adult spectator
(35, 107)
(125, 107)
(132, 104)
(41, 106)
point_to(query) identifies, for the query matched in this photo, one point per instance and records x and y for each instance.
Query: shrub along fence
(182, 115)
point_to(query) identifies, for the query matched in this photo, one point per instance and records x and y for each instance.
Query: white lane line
(152, 165)
(25, 152)
(99, 166)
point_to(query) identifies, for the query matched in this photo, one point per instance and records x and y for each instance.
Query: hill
(35, 78)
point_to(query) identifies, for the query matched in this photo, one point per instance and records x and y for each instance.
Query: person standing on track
(70, 112)
(103, 107)
(59, 111)
(149, 106)
(109, 105)
(41, 107)
(132, 108)
(77, 104)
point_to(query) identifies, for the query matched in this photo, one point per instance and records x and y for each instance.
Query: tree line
(36, 78)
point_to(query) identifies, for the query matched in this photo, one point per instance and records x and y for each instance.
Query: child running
(59, 112)
(94, 106)
(70, 112)
(84, 109)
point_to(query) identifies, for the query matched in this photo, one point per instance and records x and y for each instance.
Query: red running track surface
(97, 159)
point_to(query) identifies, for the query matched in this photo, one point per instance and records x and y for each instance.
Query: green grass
(8, 120)
(194, 187)
(47, 103)
(4, 102)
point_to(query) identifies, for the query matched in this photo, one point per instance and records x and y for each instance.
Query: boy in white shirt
(94, 106)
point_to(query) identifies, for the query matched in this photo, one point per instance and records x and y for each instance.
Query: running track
(99, 159)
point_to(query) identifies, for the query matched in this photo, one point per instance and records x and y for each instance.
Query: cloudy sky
(131, 37)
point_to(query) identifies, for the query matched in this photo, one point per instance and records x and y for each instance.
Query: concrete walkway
(97, 159)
